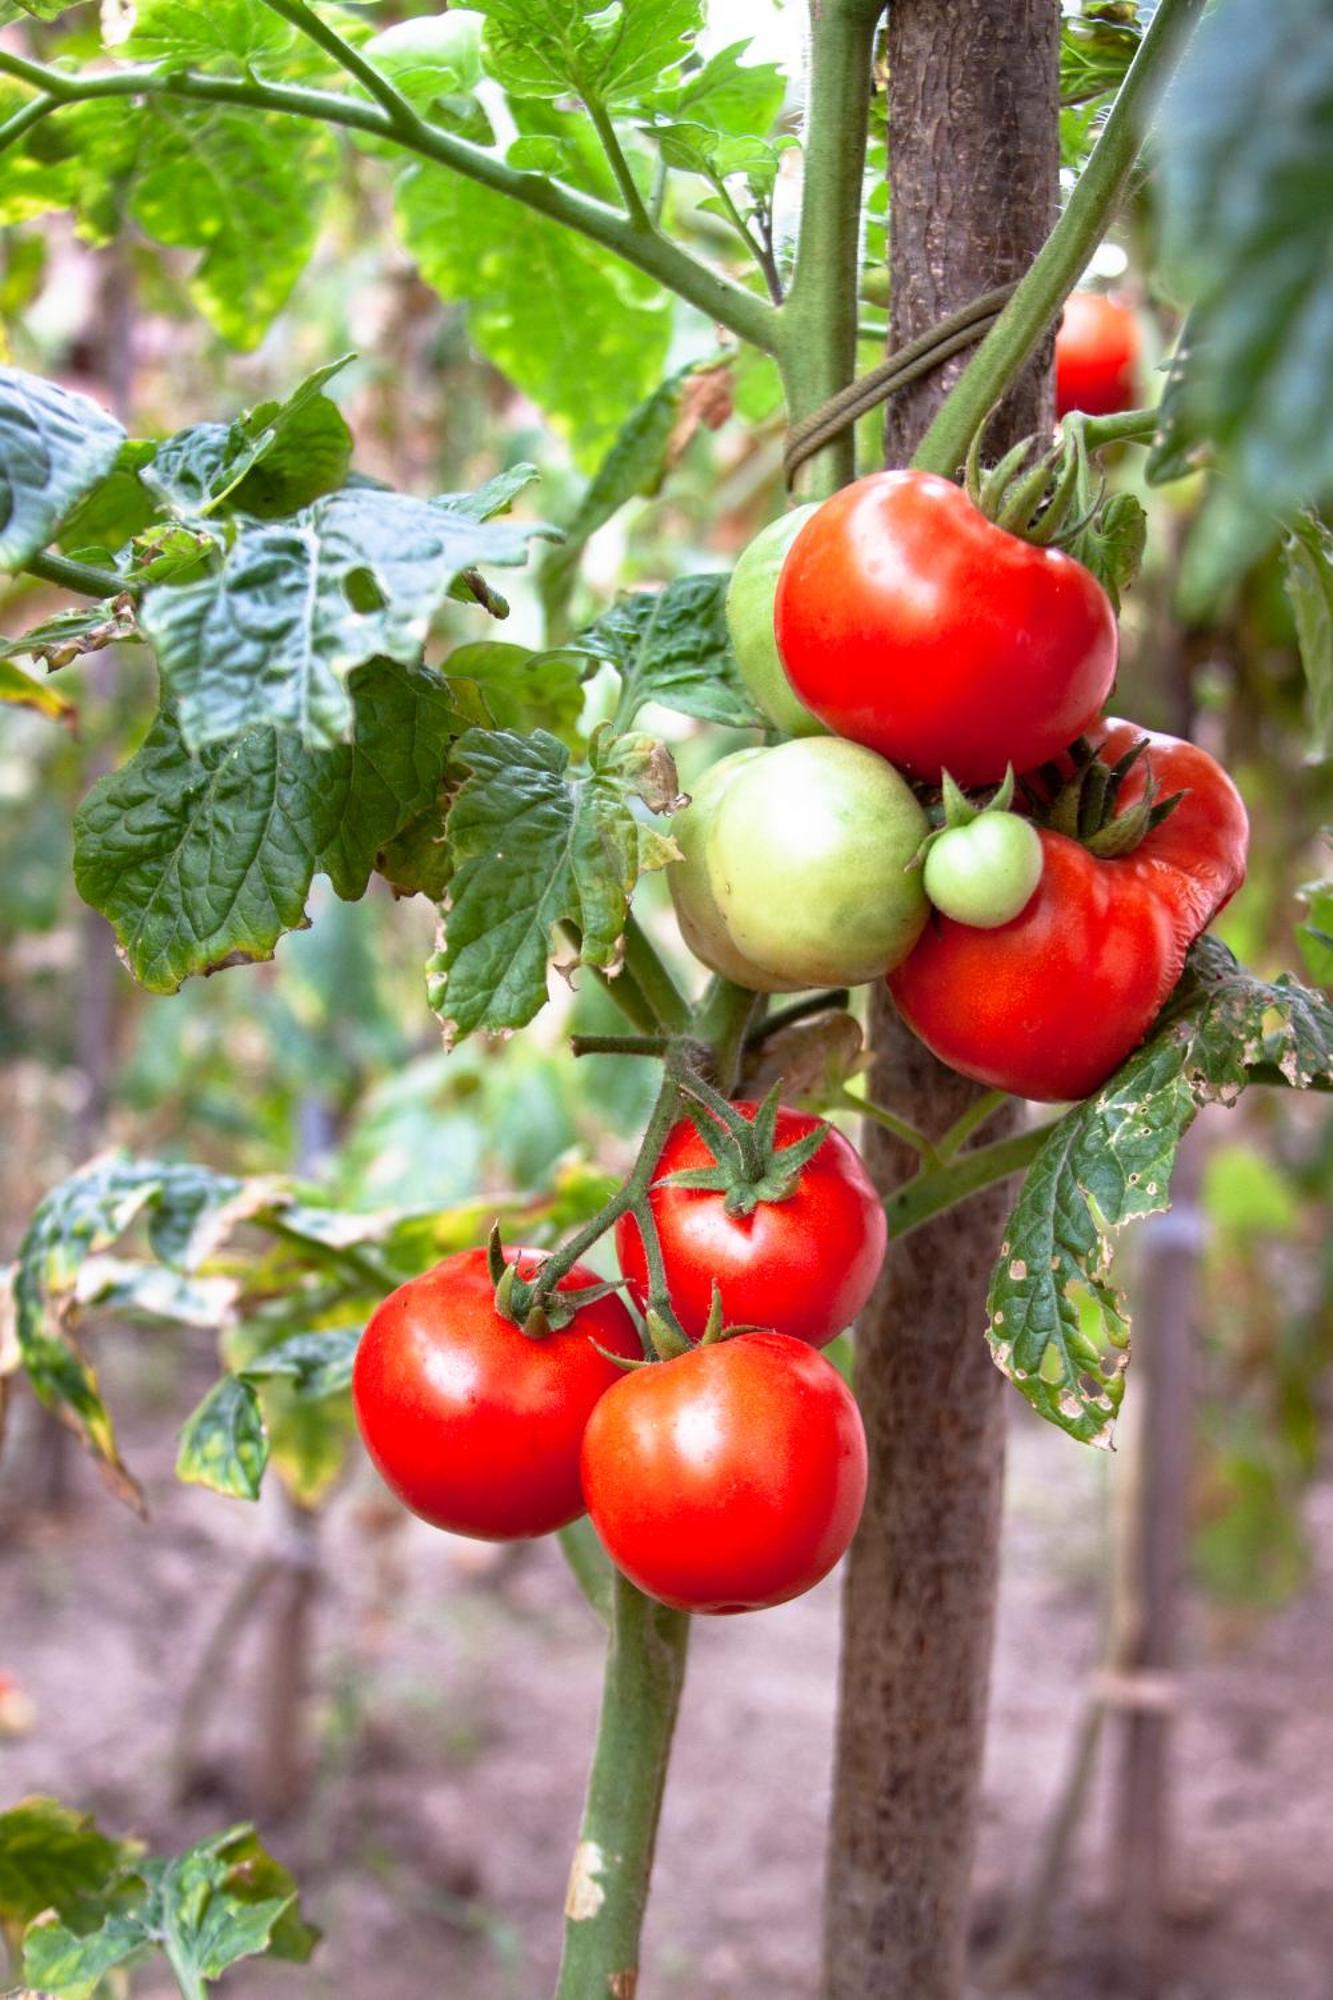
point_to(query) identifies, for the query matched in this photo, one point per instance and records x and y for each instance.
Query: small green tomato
(984, 873)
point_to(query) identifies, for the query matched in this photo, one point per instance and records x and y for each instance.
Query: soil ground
(454, 1697)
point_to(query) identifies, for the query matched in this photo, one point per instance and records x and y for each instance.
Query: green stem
(1064, 255)
(1130, 427)
(719, 297)
(619, 165)
(187, 1979)
(767, 268)
(622, 987)
(670, 1007)
(818, 350)
(935, 1189)
(590, 1566)
(89, 582)
(971, 1121)
(724, 1023)
(879, 1114)
(608, 1883)
(617, 1045)
(405, 116)
(832, 1001)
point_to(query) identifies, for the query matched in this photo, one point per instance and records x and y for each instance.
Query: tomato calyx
(536, 1313)
(1085, 805)
(1043, 496)
(749, 1166)
(956, 809)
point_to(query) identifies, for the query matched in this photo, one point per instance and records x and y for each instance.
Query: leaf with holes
(537, 843)
(671, 646)
(55, 447)
(272, 635)
(199, 863)
(1110, 1160)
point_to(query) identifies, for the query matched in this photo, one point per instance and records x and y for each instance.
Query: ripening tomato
(910, 623)
(1096, 357)
(804, 1265)
(1050, 1005)
(728, 1479)
(702, 924)
(750, 624)
(476, 1426)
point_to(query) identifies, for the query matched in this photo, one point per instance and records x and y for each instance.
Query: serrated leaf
(119, 506)
(224, 1445)
(497, 496)
(19, 690)
(536, 843)
(246, 188)
(1307, 568)
(1110, 1160)
(1112, 544)
(579, 332)
(616, 53)
(513, 688)
(272, 635)
(228, 35)
(55, 446)
(203, 862)
(741, 100)
(272, 461)
(671, 646)
(1246, 148)
(50, 1858)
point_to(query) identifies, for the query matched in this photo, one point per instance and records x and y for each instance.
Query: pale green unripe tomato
(809, 863)
(985, 873)
(750, 597)
(701, 922)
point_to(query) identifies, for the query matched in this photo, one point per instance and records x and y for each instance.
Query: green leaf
(245, 187)
(1112, 544)
(272, 635)
(230, 35)
(728, 97)
(1315, 935)
(317, 1365)
(119, 506)
(616, 53)
(77, 161)
(579, 332)
(535, 844)
(272, 461)
(671, 646)
(1094, 56)
(513, 688)
(201, 863)
(18, 689)
(435, 62)
(55, 446)
(225, 1445)
(1057, 1325)
(50, 1858)
(1307, 567)
(1246, 159)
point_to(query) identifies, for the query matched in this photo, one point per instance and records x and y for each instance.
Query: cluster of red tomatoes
(1030, 949)
(726, 1477)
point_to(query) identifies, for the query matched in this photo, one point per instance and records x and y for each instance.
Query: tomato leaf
(19, 690)
(1307, 565)
(272, 461)
(671, 646)
(51, 1859)
(203, 862)
(549, 48)
(1111, 545)
(232, 35)
(1246, 146)
(1315, 935)
(728, 97)
(55, 447)
(224, 1445)
(1110, 1160)
(536, 843)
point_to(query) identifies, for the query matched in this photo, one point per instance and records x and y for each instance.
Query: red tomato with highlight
(1049, 1005)
(803, 1266)
(729, 1479)
(1096, 357)
(909, 622)
(475, 1426)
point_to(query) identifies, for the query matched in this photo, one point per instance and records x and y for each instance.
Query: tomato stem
(833, 1001)
(617, 1045)
(653, 980)
(944, 1186)
(891, 1122)
(971, 1121)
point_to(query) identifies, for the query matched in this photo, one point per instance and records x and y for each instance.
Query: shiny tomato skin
(910, 623)
(1050, 1005)
(1096, 357)
(474, 1426)
(729, 1479)
(803, 1267)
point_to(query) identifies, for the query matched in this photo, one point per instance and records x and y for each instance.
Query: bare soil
(453, 1699)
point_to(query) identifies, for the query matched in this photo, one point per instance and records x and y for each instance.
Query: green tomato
(984, 873)
(702, 924)
(809, 863)
(750, 597)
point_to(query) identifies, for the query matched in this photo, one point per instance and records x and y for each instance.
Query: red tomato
(911, 623)
(475, 1426)
(730, 1479)
(1050, 1005)
(804, 1266)
(1096, 357)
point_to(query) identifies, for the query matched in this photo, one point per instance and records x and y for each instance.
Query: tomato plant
(475, 1424)
(730, 1478)
(910, 623)
(1096, 356)
(799, 1254)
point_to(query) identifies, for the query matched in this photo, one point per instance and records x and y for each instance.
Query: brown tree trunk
(974, 157)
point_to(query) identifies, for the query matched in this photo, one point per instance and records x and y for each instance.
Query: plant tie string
(906, 364)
